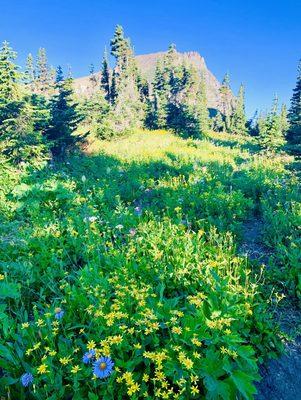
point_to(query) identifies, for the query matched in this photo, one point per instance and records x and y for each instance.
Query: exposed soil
(281, 378)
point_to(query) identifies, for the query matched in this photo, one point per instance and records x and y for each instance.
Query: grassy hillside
(130, 250)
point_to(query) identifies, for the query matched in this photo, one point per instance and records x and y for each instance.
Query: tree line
(40, 114)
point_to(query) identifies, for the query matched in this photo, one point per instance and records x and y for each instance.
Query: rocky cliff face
(147, 65)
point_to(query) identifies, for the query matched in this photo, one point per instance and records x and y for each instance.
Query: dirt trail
(281, 378)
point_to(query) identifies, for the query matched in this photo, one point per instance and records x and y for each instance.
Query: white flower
(84, 179)
(119, 226)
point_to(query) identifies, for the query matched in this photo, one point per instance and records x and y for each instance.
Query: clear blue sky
(258, 42)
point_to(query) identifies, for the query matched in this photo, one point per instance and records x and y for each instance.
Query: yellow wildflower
(75, 369)
(25, 325)
(42, 369)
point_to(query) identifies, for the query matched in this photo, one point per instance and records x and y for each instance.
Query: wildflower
(84, 179)
(2, 277)
(25, 325)
(133, 389)
(42, 369)
(91, 345)
(40, 322)
(65, 360)
(194, 390)
(59, 313)
(145, 378)
(52, 353)
(26, 379)
(177, 330)
(132, 232)
(87, 357)
(75, 369)
(103, 367)
(119, 226)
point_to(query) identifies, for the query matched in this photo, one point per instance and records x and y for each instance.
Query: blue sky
(258, 42)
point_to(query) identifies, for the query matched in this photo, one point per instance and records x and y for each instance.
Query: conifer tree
(124, 91)
(271, 129)
(9, 88)
(226, 104)
(43, 76)
(93, 78)
(64, 120)
(238, 118)
(294, 117)
(59, 76)
(203, 113)
(29, 74)
(105, 76)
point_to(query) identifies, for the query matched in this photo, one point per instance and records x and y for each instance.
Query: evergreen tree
(43, 76)
(226, 101)
(271, 129)
(93, 78)
(29, 74)
(105, 76)
(203, 113)
(124, 92)
(9, 89)
(294, 116)
(64, 120)
(238, 118)
(59, 77)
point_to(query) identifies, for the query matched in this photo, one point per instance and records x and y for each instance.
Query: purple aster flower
(103, 367)
(59, 313)
(87, 357)
(26, 379)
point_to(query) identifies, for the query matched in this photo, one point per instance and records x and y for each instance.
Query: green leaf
(244, 384)
(10, 290)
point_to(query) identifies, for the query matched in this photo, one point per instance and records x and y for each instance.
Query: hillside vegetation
(130, 251)
(149, 237)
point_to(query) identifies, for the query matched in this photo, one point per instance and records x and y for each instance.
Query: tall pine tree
(64, 120)
(238, 118)
(294, 116)
(105, 76)
(43, 76)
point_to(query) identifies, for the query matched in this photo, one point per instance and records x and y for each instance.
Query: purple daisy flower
(59, 313)
(87, 357)
(103, 367)
(26, 379)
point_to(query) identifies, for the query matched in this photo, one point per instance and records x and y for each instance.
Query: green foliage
(238, 118)
(272, 127)
(294, 132)
(64, 120)
(136, 243)
(179, 99)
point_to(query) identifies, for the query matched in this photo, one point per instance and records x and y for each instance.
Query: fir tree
(43, 77)
(238, 118)
(226, 103)
(105, 76)
(29, 74)
(271, 129)
(93, 78)
(294, 117)
(64, 120)
(9, 89)
(124, 92)
(59, 77)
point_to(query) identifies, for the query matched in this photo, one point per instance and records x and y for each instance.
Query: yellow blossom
(75, 369)
(25, 325)
(91, 345)
(42, 369)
